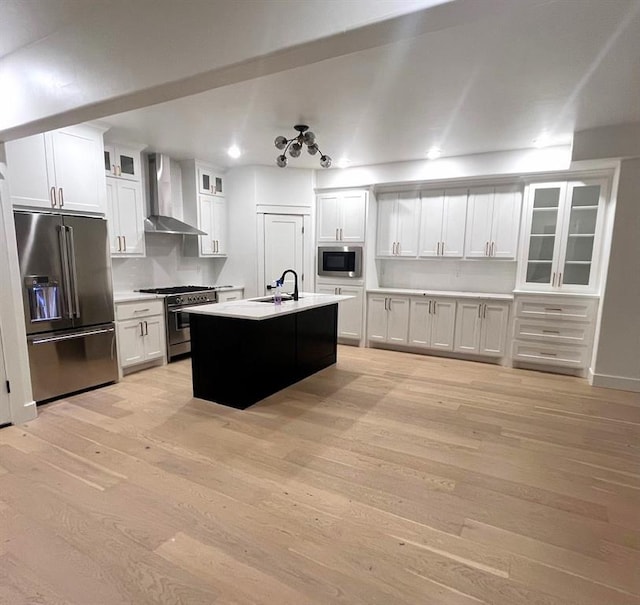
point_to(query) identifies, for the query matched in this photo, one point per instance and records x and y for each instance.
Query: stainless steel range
(177, 322)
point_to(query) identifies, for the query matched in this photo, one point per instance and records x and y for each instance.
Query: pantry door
(283, 249)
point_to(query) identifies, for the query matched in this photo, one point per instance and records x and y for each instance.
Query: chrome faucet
(295, 282)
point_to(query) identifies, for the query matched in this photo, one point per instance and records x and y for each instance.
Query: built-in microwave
(340, 261)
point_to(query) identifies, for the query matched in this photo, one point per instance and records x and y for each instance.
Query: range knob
(178, 299)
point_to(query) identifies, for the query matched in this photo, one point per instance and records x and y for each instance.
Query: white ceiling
(482, 85)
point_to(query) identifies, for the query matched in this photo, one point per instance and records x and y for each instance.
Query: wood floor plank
(387, 478)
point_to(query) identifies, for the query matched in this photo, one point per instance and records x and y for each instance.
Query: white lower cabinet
(229, 295)
(554, 331)
(445, 323)
(388, 319)
(481, 327)
(349, 311)
(432, 323)
(140, 330)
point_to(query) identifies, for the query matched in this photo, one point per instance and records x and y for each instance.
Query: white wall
(165, 265)
(617, 358)
(258, 189)
(241, 267)
(448, 274)
(12, 327)
(502, 163)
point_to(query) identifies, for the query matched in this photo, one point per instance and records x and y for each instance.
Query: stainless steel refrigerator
(67, 296)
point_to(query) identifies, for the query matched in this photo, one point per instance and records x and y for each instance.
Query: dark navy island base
(237, 362)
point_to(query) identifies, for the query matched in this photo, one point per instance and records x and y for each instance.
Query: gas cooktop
(180, 289)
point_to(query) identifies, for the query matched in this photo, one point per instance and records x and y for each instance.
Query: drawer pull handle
(551, 331)
(558, 309)
(548, 354)
(140, 310)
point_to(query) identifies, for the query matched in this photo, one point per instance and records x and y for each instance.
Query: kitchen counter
(132, 295)
(243, 351)
(441, 293)
(251, 308)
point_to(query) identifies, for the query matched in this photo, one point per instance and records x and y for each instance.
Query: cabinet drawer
(561, 308)
(142, 308)
(549, 354)
(229, 295)
(561, 332)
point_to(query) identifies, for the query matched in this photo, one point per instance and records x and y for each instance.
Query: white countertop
(132, 295)
(441, 293)
(250, 308)
(558, 294)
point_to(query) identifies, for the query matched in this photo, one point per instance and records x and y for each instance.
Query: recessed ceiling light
(344, 162)
(434, 153)
(542, 141)
(234, 151)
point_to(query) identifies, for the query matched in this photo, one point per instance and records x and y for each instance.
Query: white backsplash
(441, 274)
(164, 265)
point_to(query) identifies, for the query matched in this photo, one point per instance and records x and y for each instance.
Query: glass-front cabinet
(122, 162)
(564, 222)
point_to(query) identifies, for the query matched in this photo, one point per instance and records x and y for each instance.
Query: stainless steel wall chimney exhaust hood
(161, 220)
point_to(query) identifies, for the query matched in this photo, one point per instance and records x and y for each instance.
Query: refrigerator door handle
(74, 272)
(38, 341)
(66, 276)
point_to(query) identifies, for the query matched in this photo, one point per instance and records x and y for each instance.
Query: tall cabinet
(341, 219)
(206, 207)
(125, 199)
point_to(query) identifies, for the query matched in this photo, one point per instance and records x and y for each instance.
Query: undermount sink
(269, 299)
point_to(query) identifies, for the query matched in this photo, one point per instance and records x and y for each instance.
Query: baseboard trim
(28, 411)
(614, 382)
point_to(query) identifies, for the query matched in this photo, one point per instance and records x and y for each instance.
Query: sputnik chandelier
(294, 146)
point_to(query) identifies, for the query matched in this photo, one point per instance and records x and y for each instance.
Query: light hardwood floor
(388, 479)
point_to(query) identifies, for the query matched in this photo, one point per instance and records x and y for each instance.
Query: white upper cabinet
(209, 180)
(563, 227)
(398, 224)
(493, 220)
(212, 218)
(442, 223)
(125, 216)
(341, 216)
(60, 170)
(122, 161)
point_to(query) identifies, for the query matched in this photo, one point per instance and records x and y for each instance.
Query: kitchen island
(243, 351)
